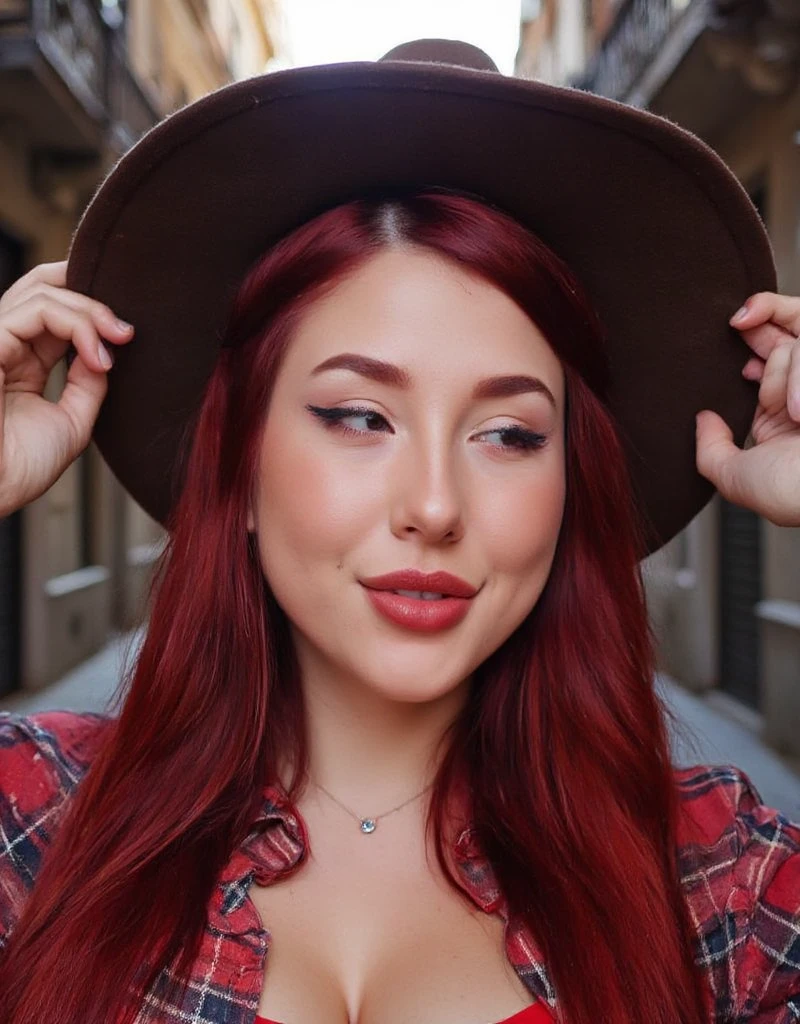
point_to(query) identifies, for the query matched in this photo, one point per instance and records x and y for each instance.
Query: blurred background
(81, 80)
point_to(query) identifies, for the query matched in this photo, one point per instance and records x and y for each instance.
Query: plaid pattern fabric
(739, 861)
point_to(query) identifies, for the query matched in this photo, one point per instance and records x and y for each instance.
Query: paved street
(714, 736)
(718, 738)
(88, 687)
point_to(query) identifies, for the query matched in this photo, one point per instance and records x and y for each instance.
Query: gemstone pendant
(367, 825)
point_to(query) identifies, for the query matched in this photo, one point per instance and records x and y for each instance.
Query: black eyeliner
(334, 414)
(339, 412)
(527, 439)
(522, 439)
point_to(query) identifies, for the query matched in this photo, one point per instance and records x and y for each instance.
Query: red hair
(562, 740)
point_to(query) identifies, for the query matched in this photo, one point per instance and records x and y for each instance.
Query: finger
(715, 449)
(43, 330)
(763, 339)
(48, 326)
(52, 273)
(81, 399)
(772, 393)
(783, 310)
(45, 273)
(753, 369)
(793, 386)
(108, 324)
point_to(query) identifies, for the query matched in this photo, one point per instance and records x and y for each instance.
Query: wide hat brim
(664, 239)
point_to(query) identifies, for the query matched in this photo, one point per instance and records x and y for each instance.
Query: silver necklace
(368, 825)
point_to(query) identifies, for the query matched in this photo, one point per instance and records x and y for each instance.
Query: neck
(369, 751)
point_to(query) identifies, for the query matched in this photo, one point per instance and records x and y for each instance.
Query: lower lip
(417, 614)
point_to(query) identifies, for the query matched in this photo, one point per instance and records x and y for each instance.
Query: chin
(412, 684)
(416, 694)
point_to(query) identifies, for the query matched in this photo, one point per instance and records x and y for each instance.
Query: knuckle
(783, 346)
(36, 299)
(34, 280)
(42, 294)
(13, 295)
(102, 310)
(767, 394)
(778, 360)
(761, 300)
(78, 305)
(50, 270)
(58, 311)
(47, 308)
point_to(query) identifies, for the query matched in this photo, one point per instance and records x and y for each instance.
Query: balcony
(746, 46)
(65, 76)
(130, 112)
(623, 65)
(696, 61)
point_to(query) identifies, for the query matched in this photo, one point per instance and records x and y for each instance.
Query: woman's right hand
(39, 320)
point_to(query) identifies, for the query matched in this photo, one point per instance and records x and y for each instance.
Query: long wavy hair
(562, 740)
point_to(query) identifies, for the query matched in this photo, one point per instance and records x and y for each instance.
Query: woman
(393, 721)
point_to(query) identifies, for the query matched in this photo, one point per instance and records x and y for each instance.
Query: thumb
(715, 448)
(81, 399)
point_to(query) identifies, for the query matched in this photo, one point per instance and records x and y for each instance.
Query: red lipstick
(427, 602)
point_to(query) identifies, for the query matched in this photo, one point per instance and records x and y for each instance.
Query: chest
(368, 931)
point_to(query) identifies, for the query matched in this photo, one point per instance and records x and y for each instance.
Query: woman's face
(416, 424)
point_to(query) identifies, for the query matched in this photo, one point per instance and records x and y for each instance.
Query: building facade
(725, 594)
(80, 81)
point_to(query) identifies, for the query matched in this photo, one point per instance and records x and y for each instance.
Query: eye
(513, 438)
(353, 421)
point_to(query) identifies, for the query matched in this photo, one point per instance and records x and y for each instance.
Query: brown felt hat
(662, 236)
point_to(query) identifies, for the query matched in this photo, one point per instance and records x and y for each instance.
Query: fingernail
(123, 325)
(740, 314)
(105, 357)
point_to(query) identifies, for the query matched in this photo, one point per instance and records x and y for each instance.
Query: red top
(535, 1014)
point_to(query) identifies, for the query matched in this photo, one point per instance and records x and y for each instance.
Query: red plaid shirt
(742, 883)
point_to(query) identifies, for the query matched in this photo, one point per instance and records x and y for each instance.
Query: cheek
(522, 524)
(311, 509)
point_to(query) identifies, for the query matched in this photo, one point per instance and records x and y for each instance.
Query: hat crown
(442, 51)
(619, 194)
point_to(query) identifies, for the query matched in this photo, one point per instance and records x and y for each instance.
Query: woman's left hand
(765, 477)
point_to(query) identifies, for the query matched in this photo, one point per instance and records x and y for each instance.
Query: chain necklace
(368, 825)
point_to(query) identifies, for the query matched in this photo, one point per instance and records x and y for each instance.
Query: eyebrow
(387, 373)
(375, 369)
(512, 384)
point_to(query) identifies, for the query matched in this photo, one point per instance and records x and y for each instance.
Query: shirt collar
(278, 845)
(476, 873)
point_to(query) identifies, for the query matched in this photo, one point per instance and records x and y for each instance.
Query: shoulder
(42, 760)
(739, 862)
(46, 755)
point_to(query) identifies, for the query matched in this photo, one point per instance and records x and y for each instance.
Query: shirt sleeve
(42, 759)
(766, 888)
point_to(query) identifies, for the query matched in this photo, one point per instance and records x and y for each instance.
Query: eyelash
(522, 439)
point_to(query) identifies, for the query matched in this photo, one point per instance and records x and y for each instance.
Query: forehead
(446, 326)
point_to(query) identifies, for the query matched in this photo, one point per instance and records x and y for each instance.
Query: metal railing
(88, 57)
(636, 35)
(130, 111)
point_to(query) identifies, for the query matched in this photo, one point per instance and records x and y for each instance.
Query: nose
(427, 500)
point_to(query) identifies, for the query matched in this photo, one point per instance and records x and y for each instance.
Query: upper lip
(430, 582)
